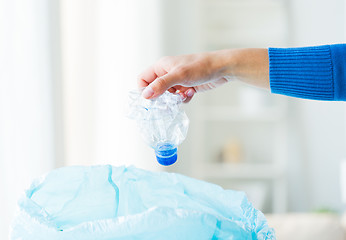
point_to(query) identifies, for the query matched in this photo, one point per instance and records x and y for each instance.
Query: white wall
(318, 143)
(79, 24)
(105, 45)
(26, 100)
(129, 40)
(317, 21)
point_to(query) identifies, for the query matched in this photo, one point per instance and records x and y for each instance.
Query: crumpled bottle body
(162, 122)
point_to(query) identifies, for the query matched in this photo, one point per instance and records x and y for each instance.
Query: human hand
(186, 75)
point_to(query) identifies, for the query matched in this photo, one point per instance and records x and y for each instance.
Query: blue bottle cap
(166, 154)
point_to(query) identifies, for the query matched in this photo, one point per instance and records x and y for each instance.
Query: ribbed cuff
(338, 52)
(302, 72)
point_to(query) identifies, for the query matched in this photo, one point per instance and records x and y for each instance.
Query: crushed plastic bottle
(162, 123)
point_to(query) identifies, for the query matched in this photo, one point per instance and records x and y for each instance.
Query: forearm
(250, 66)
(310, 72)
(307, 72)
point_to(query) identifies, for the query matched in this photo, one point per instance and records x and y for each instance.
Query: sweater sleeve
(310, 72)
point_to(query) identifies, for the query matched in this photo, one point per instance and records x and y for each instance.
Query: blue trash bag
(106, 203)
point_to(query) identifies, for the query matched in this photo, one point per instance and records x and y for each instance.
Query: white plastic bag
(106, 203)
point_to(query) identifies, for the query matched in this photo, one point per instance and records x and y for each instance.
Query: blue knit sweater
(309, 72)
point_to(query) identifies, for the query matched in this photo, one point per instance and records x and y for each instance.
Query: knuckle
(141, 82)
(161, 82)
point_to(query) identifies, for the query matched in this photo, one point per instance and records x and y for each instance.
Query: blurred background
(66, 68)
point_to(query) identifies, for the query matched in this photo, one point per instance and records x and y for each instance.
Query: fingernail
(189, 93)
(147, 92)
(183, 97)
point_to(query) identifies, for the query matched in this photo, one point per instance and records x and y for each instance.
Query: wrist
(247, 65)
(224, 63)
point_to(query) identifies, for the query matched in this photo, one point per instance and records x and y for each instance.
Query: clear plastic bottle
(162, 123)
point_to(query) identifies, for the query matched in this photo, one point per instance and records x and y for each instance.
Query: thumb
(160, 85)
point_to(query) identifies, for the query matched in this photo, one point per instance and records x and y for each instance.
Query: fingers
(150, 74)
(186, 93)
(146, 77)
(190, 92)
(154, 80)
(160, 85)
(166, 75)
(211, 85)
(172, 90)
